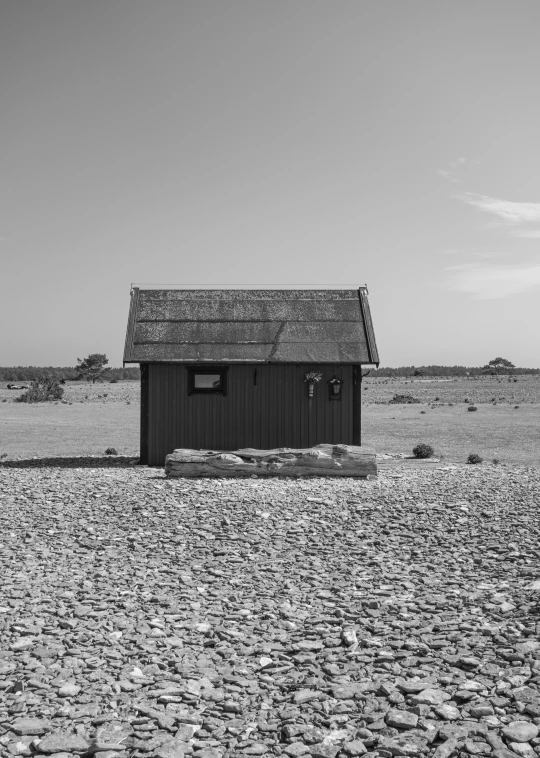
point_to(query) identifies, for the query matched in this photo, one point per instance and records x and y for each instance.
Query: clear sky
(306, 142)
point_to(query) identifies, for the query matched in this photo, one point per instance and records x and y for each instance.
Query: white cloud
(486, 281)
(520, 218)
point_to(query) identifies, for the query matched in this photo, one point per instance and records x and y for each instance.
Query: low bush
(403, 399)
(113, 381)
(472, 408)
(474, 458)
(111, 451)
(43, 389)
(423, 451)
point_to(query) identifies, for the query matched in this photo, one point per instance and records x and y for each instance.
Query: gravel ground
(147, 617)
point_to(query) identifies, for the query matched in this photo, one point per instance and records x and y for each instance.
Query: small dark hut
(228, 369)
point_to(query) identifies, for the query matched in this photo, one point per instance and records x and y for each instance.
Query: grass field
(93, 418)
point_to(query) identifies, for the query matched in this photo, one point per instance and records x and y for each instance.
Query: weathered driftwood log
(322, 460)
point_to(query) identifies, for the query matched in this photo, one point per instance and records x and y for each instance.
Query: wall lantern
(335, 386)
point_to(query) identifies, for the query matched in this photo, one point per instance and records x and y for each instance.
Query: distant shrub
(437, 398)
(466, 400)
(43, 389)
(495, 461)
(422, 411)
(472, 408)
(113, 381)
(516, 407)
(423, 451)
(403, 399)
(111, 451)
(474, 458)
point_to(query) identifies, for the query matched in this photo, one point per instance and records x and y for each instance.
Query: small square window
(204, 381)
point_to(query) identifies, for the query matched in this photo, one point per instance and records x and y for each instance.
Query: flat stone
(354, 748)
(526, 695)
(412, 687)
(401, 719)
(469, 662)
(295, 749)
(173, 749)
(448, 712)
(476, 748)
(446, 749)
(449, 731)
(324, 750)
(256, 749)
(523, 749)
(63, 743)
(429, 697)
(405, 744)
(304, 696)
(69, 690)
(31, 726)
(520, 731)
(477, 711)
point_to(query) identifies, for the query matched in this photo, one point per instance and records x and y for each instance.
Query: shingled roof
(250, 326)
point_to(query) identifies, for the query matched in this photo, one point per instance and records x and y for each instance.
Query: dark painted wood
(144, 442)
(274, 412)
(357, 405)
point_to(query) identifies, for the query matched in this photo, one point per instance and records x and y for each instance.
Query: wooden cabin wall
(266, 406)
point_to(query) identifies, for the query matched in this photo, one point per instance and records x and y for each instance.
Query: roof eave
(368, 327)
(128, 347)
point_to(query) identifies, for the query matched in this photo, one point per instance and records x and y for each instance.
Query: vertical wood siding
(274, 412)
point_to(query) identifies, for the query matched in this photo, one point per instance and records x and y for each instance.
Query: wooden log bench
(321, 460)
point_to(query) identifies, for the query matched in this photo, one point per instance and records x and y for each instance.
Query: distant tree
(499, 366)
(93, 367)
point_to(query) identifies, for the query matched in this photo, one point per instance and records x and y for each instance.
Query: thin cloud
(450, 173)
(533, 234)
(484, 281)
(521, 219)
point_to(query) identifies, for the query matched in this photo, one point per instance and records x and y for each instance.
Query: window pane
(207, 381)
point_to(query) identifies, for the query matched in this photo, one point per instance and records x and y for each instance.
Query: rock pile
(329, 618)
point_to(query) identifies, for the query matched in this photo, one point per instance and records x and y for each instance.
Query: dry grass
(474, 389)
(512, 436)
(91, 424)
